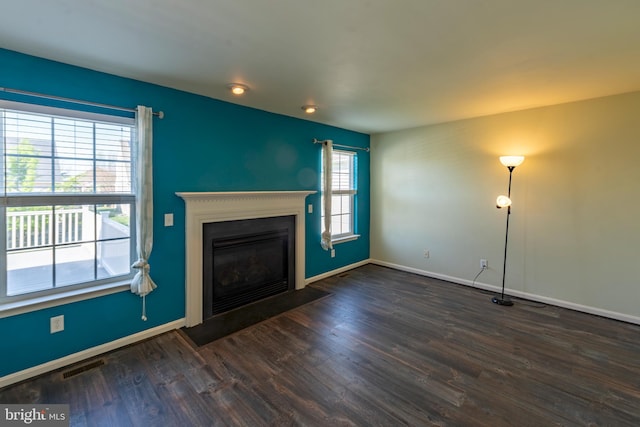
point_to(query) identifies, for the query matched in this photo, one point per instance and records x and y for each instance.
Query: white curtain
(143, 181)
(327, 163)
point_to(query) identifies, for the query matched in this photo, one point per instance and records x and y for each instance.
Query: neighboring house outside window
(343, 197)
(67, 202)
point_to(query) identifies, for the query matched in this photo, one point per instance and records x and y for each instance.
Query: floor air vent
(84, 368)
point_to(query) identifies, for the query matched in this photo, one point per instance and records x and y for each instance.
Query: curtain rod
(160, 114)
(317, 141)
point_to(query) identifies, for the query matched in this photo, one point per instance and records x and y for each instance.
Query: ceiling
(370, 65)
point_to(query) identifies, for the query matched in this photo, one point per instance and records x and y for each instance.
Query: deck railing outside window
(32, 229)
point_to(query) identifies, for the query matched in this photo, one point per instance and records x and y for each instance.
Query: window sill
(344, 239)
(14, 308)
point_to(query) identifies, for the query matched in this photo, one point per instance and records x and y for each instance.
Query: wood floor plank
(386, 348)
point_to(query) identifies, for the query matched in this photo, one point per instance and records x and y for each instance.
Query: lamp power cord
(522, 300)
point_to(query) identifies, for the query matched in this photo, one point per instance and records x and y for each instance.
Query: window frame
(352, 192)
(63, 294)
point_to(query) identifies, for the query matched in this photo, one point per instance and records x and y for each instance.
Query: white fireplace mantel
(206, 207)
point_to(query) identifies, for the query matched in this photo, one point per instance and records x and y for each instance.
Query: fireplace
(245, 261)
(211, 207)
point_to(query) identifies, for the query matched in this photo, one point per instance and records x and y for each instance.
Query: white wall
(575, 223)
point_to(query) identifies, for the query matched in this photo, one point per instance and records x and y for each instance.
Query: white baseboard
(526, 295)
(337, 271)
(131, 339)
(88, 353)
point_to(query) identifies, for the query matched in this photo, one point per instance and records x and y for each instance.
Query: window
(342, 196)
(67, 201)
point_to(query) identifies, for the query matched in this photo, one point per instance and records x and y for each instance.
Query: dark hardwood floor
(387, 348)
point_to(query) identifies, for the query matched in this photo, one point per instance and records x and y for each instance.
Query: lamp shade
(503, 202)
(511, 160)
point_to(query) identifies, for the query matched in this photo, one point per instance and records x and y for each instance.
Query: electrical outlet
(426, 253)
(56, 324)
(484, 264)
(333, 253)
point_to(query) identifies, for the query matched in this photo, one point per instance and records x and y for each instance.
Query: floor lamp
(505, 202)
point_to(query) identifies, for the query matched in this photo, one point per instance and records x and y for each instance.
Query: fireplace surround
(208, 207)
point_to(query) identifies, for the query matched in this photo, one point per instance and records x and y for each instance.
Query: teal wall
(202, 144)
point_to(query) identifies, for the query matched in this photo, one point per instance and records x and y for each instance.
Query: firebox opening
(245, 261)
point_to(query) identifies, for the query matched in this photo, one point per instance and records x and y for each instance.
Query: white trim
(345, 238)
(66, 113)
(337, 271)
(27, 305)
(526, 295)
(132, 339)
(207, 207)
(88, 353)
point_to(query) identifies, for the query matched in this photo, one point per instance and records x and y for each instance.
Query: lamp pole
(502, 300)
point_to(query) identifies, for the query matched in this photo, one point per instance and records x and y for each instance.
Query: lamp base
(501, 301)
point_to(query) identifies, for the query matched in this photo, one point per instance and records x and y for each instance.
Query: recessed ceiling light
(309, 109)
(238, 88)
